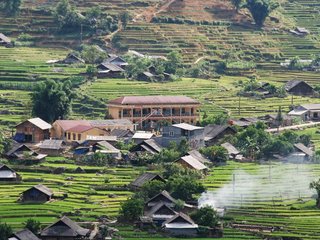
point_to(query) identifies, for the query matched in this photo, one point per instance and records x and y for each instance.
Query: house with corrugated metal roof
(8, 174)
(306, 112)
(194, 135)
(32, 130)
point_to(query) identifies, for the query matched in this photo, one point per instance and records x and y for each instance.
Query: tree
(11, 7)
(92, 55)
(206, 216)
(152, 188)
(52, 100)
(33, 225)
(236, 4)
(66, 16)
(166, 155)
(219, 119)
(124, 18)
(184, 187)
(316, 186)
(279, 118)
(174, 62)
(215, 153)
(261, 9)
(131, 209)
(5, 231)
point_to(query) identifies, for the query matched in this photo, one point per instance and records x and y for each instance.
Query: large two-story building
(147, 111)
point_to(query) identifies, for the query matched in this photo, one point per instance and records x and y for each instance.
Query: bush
(131, 209)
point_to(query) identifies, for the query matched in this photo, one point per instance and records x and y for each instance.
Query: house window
(26, 129)
(171, 133)
(79, 137)
(74, 136)
(69, 136)
(65, 134)
(315, 115)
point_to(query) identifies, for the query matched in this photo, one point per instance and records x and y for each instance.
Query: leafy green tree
(66, 16)
(215, 153)
(261, 9)
(295, 63)
(11, 7)
(174, 62)
(52, 100)
(131, 209)
(219, 119)
(5, 231)
(91, 54)
(236, 4)
(124, 18)
(206, 216)
(166, 155)
(177, 170)
(184, 187)
(152, 188)
(33, 225)
(316, 186)
(253, 141)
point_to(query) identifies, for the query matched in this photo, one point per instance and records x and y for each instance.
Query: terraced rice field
(266, 195)
(215, 95)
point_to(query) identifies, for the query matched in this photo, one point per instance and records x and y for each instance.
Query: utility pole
(81, 33)
(239, 107)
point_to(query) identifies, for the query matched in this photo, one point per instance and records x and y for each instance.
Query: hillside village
(165, 119)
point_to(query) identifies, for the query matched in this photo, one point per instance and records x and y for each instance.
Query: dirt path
(294, 127)
(153, 11)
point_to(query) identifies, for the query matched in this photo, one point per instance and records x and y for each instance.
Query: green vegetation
(33, 225)
(11, 7)
(52, 100)
(261, 9)
(5, 231)
(206, 216)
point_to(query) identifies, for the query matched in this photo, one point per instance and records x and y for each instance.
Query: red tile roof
(80, 129)
(158, 100)
(68, 124)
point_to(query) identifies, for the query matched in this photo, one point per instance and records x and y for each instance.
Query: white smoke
(274, 183)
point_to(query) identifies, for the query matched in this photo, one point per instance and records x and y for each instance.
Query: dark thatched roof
(213, 131)
(24, 234)
(146, 177)
(64, 227)
(47, 191)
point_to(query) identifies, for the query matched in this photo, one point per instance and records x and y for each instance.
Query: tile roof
(193, 162)
(80, 128)
(67, 124)
(157, 100)
(293, 83)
